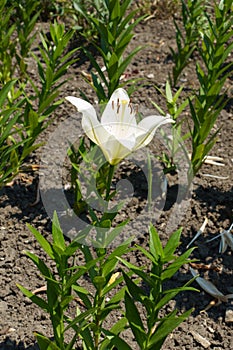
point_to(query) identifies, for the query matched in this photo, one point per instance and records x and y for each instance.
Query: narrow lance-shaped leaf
(135, 321)
(34, 298)
(42, 241)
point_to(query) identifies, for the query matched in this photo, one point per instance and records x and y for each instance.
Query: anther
(131, 107)
(112, 104)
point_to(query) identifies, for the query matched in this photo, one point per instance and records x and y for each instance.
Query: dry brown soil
(212, 197)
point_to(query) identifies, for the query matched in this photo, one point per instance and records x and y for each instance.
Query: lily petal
(81, 105)
(94, 130)
(90, 124)
(119, 109)
(147, 128)
(124, 133)
(114, 151)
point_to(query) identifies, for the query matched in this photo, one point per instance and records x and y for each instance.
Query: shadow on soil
(9, 344)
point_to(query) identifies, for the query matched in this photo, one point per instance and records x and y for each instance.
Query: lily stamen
(131, 107)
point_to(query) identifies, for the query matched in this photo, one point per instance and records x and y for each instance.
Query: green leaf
(40, 265)
(138, 271)
(73, 278)
(66, 301)
(124, 6)
(155, 244)
(173, 243)
(115, 11)
(96, 66)
(133, 316)
(169, 92)
(5, 90)
(147, 254)
(165, 328)
(127, 61)
(179, 261)
(118, 296)
(45, 343)
(136, 292)
(114, 232)
(33, 121)
(71, 248)
(113, 66)
(42, 241)
(112, 338)
(8, 123)
(34, 298)
(58, 237)
(82, 293)
(80, 318)
(47, 102)
(99, 282)
(120, 250)
(80, 289)
(171, 293)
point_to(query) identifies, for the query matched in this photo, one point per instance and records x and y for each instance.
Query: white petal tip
(79, 103)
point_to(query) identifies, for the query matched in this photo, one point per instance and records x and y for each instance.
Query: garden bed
(212, 197)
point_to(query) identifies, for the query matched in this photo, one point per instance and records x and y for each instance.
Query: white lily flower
(117, 134)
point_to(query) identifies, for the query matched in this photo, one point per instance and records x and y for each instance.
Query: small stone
(229, 316)
(211, 330)
(5, 291)
(3, 306)
(201, 340)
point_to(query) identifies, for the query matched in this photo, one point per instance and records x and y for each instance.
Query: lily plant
(117, 134)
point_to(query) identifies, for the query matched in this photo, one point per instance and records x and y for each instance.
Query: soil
(211, 197)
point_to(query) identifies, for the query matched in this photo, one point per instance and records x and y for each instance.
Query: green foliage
(163, 265)
(62, 286)
(114, 28)
(194, 24)
(59, 285)
(107, 292)
(10, 144)
(104, 280)
(16, 17)
(89, 168)
(209, 33)
(52, 9)
(84, 11)
(7, 45)
(210, 100)
(174, 142)
(24, 115)
(25, 14)
(51, 68)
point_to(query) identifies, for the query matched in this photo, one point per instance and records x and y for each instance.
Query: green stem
(109, 181)
(149, 181)
(99, 301)
(60, 312)
(98, 319)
